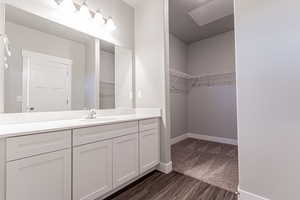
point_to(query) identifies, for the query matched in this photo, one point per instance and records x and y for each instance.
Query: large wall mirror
(56, 68)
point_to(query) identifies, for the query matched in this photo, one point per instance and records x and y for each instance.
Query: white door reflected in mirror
(46, 82)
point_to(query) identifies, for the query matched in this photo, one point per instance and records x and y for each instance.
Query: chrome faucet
(91, 114)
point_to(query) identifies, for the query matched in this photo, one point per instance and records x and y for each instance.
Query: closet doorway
(203, 91)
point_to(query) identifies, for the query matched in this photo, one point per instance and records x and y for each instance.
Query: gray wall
(204, 110)
(152, 64)
(213, 55)
(212, 110)
(267, 49)
(40, 42)
(178, 101)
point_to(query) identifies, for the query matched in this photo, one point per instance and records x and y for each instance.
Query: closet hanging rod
(107, 82)
(184, 75)
(180, 74)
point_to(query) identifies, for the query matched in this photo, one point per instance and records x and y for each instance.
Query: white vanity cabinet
(125, 159)
(104, 157)
(149, 144)
(44, 177)
(92, 170)
(42, 170)
(81, 163)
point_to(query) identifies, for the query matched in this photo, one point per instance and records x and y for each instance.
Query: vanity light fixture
(5, 63)
(6, 48)
(110, 24)
(98, 17)
(84, 10)
(66, 4)
(58, 2)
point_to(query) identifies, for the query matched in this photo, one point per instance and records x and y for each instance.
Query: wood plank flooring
(210, 162)
(173, 186)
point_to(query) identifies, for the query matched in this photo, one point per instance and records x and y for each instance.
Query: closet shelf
(180, 74)
(187, 76)
(203, 80)
(107, 82)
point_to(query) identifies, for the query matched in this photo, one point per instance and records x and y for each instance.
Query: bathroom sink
(99, 119)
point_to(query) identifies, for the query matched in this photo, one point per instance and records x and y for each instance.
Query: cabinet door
(149, 149)
(92, 170)
(46, 177)
(125, 159)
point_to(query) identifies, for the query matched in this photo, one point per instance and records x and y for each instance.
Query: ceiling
(184, 27)
(187, 18)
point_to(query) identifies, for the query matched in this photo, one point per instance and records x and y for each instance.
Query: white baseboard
(165, 167)
(213, 139)
(249, 196)
(179, 138)
(203, 137)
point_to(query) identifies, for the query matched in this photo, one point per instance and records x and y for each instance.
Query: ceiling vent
(212, 11)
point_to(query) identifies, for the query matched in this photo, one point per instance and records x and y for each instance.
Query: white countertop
(12, 130)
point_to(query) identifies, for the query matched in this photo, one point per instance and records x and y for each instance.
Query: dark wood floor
(210, 162)
(173, 186)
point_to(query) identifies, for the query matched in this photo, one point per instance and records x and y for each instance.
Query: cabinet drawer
(26, 146)
(149, 124)
(98, 133)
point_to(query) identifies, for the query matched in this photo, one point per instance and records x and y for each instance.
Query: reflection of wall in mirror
(2, 22)
(90, 71)
(37, 41)
(107, 80)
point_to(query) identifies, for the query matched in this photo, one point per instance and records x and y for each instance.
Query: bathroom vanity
(80, 159)
(57, 64)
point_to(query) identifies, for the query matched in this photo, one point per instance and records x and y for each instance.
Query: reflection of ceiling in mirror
(24, 18)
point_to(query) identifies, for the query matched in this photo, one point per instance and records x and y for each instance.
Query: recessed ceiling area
(194, 20)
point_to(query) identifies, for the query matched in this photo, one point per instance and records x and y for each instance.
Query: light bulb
(84, 11)
(5, 62)
(68, 5)
(110, 24)
(54, 4)
(99, 18)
